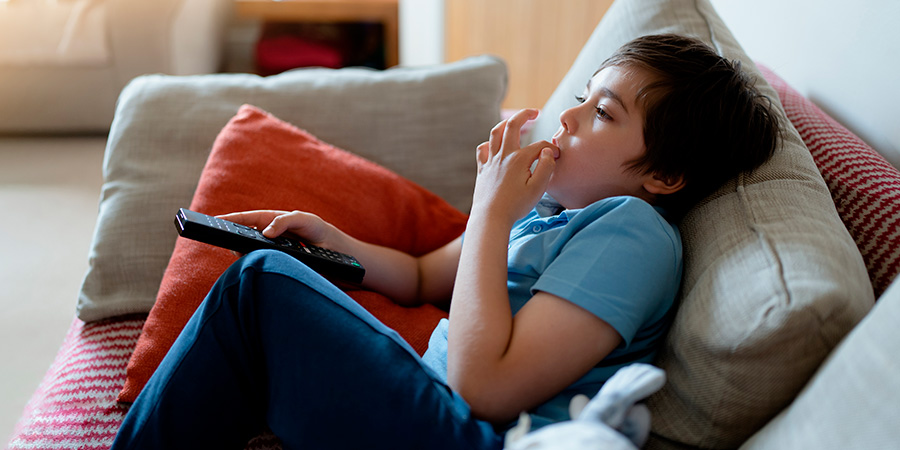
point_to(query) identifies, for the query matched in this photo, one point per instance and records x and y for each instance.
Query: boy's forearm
(388, 271)
(480, 314)
(406, 279)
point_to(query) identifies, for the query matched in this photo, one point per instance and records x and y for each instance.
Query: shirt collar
(548, 206)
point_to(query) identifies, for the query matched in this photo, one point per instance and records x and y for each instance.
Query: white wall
(844, 55)
(421, 32)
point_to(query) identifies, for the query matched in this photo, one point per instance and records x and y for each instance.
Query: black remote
(244, 239)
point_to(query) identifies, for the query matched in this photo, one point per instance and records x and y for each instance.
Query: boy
(546, 302)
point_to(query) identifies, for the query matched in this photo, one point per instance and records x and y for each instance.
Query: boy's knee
(265, 259)
(250, 277)
(277, 262)
(273, 261)
(256, 262)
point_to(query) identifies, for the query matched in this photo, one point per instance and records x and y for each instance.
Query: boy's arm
(406, 279)
(503, 364)
(500, 364)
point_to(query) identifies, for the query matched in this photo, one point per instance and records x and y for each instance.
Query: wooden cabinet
(538, 39)
(379, 11)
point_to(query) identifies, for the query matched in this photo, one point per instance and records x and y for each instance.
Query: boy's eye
(603, 114)
(600, 111)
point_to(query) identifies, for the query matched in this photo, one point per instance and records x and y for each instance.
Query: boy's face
(598, 138)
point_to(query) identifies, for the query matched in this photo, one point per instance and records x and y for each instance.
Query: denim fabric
(275, 345)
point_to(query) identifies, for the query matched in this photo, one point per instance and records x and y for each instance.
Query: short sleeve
(621, 262)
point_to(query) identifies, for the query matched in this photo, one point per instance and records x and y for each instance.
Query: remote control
(241, 238)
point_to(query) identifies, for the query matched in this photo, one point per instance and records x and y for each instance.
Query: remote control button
(283, 242)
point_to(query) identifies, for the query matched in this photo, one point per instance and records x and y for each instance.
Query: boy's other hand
(309, 227)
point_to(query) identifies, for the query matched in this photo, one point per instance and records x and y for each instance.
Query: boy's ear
(664, 185)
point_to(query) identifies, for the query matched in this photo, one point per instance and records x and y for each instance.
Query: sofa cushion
(864, 185)
(772, 279)
(852, 400)
(421, 122)
(260, 162)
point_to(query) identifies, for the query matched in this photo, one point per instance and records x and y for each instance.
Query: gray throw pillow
(421, 122)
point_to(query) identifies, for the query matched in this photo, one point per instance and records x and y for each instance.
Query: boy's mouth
(555, 141)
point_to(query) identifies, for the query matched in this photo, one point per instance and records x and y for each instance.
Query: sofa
(63, 64)
(784, 336)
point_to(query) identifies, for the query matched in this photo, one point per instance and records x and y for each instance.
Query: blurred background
(64, 62)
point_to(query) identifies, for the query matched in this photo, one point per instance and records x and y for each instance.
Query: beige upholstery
(63, 64)
(852, 401)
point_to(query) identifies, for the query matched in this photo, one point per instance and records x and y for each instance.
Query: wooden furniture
(538, 39)
(334, 11)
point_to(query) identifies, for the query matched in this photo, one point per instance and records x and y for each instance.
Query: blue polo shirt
(617, 258)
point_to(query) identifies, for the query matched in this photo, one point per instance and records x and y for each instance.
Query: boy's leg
(276, 344)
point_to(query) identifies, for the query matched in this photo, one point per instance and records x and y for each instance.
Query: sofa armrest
(852, 400)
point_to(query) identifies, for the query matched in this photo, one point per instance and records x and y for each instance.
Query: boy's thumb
(545, 166)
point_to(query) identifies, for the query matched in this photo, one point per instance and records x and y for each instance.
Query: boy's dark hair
(704, 118)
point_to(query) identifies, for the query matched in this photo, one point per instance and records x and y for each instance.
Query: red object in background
(276, 54)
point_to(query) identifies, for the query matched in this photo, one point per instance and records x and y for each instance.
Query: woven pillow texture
(864, 185)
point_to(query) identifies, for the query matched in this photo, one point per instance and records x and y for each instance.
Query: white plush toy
(612, 420)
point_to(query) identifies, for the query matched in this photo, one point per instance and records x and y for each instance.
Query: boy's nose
(566, 119)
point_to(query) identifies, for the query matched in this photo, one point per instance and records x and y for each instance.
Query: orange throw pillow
(260, 162)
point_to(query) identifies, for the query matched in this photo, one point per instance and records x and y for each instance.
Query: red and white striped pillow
(864, 186)
(75, 405)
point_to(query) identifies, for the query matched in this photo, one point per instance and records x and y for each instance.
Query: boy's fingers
(257, 219)
(544, 168)
(299, 223)
(513, 131)
(280, 224)
(496, 137)
(533, 151)
(481, 155)
(481, 152)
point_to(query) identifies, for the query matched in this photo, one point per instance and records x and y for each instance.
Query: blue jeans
(275, 345)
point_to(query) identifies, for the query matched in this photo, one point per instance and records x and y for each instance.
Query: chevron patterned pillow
(865, 186)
